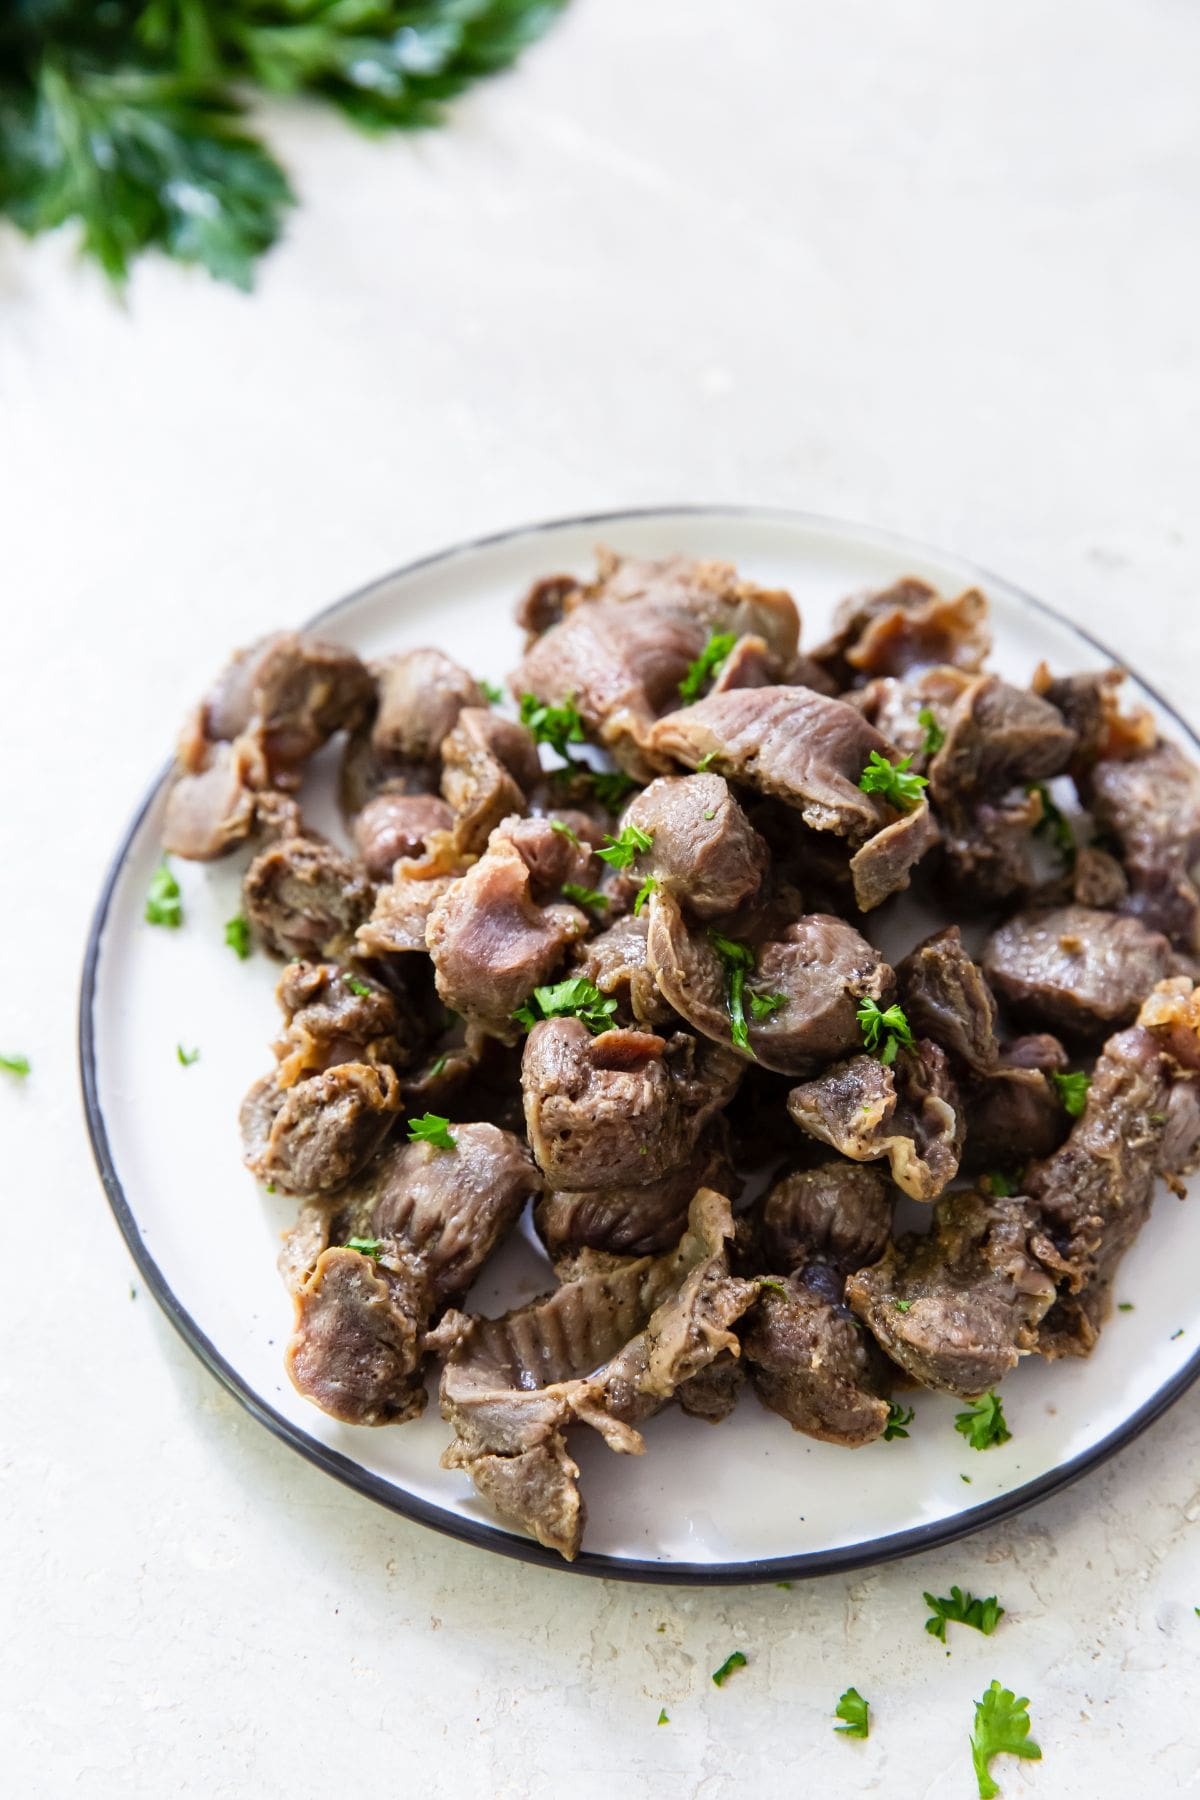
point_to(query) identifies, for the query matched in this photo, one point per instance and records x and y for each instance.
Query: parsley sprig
(983, 1423)
(625, 849)
(898, 1420)
(576, 998)
(738, 960)
(559, 726)
(590, 898)
(237, 935)
(372, 1247)
(707, 665)
(935, 737)
(164, 903)
(648, 887)
(960, 1607)
(887, 1024)
(856, 1712)
(431, 1128)
(1072, 1090)
(1002, 1727)
(1053, 823)
(892, 780)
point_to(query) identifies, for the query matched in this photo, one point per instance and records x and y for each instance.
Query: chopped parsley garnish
(437, 1068)
(763, 1005)
(559, 726)
(237, 935)
(1124, 1305)
(776, 1287)
(648, 887)
(491, 693)
(576, 998)
(902, 1305)
(1001, 1729)
(663, 1718)
(706, 665)
(1072, 1091)
(935, 737)
(710, 812)
(356, 986)
(565, 830)
(372, 1247)
(960, 1607)
(611, 787)
(739, 961)
(627, 848)
(788, 1585)
(705, 762)
(983, 1424)
(164, 905)
(186, 1057)
(1177, 1334)
(16, 1065)
(855, 1711)
(1002, 1186)
(431, 1128)
(584, 896)
(735, 1660)
(1053, 823)
(899, 789)
(888, 1024)
(898, 1419)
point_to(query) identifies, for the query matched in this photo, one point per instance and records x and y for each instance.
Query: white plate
(750, 1501)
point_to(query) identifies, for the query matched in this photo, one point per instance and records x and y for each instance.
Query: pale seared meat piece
(705, 851)
(987, 848)
(945, 997)
(490, 767)
(1150, 805)
(334, 1015)
(622, 1108)
(633, 1219)
(958, 1306)
(422, 694)
(838, 1213)
(304, 898)
(615, 962)
(400, 915)
(1074, 969)
(313, 1135)
(358, 1346)
(1090, 704)
(811, 1364)
(894, 705)
(998, 736)
(606, 1350)
(909, 1113)
(1013, 1110)
(822, 965)
(809, 751)
(396, 825)
(274, 705)
(905, 627)
(543, 604)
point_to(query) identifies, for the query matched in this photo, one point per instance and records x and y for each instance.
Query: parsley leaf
(611, 787)
(1124, 1305)
(705, 762)
(935, 737)
(735, 1660)
(372, 1247)
(492, 694)
(1002, 1186)
(902, 1306)
(567, 831)
(1053, 823)
(706, 665)
(648, 887)
(763, 1005)
(1001, 1729)
(663, 1718)
(164, 905)
(768, 1281)
(186, 1057)
(16, 1065)
(899, 789)
(625, 849)
(855, 1710)
(356, 986)
(1072, 1090)
(739, 961)
(237, 935)
(431, 1128)
(983, 1424)
(960, 1607)
(899, 1417)
(437, 1068)
(559, 726)
(584, 896)
(890, 1024)
(575, 998)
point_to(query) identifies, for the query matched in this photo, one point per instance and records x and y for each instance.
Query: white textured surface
(935, 267)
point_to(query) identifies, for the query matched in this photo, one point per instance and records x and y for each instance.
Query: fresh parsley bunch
(126, 116)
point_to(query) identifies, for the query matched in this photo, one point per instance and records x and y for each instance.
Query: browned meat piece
(987, 848)
(1075, 969)
(712, 1393)
(334, 1015)
(811, 1364)
(436, 1216)
(810, 752)
(946, 998)
(629, 1219)
(623, 1108)
(1094, 1194)
(313, 1135)
(421, 695)
(492, 940)
(615, 962)
(821, 964)
(909, 1113)
(274, 705)
(839, 1213)
(544, 603)
(1097, 879)
(998, 736)
(606, 1350)
(705, 851)
(1151, 806)
(1090, 704)
(1013, 1111)
(490, 767)
(304, 898)
(394, 825)
(402, 907)
(624, 645)
(905, 627)
(957, 1307)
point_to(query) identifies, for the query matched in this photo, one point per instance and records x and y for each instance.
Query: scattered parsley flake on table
(856, 1712)
(186, 1057)
(663, 1718)
(735, 1660)
(1002, 1728)
(960, 1607)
